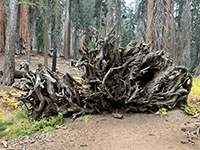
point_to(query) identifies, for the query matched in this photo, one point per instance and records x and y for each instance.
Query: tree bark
(71, 44)
(83, 39)
(167, 20)
(67, 30)
(197, 72)
(2, 26)
(56, 38)
(185, 31)
(46, 35)
(76, 29)
(97, 11)
(118, 17)
(75, 43)
(178, 47)
(110, 17)
(140, 34)
(9, 58)
(172, 31)
(100, 18)
(30, 32)
(23, 23)
(149, 23)
(118, 13)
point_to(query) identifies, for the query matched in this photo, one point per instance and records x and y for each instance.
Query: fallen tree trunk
(129, 79)
(17, 74)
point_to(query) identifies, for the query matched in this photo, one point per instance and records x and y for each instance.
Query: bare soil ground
(103, 132)
(36, 59)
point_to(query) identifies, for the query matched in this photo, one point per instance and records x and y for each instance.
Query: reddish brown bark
(30, 32)
(2, 26)
(67, 35)
(149, 22)
(172, 32)
(167, 24)
(83, 40)
(23, 23)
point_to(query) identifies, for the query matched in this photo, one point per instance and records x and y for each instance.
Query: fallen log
(17, 74)
(128, 79)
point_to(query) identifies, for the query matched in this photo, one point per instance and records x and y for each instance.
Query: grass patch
(193, 103)
(14, 121)
(194, 96)
(18, 124)
(191, 109)
(85, 118)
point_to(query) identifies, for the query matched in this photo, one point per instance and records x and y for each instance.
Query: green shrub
(162, 111)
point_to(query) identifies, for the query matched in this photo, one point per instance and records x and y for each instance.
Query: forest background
(61, 26)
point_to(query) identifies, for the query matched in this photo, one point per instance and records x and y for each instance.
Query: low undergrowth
(194, 96)
(193, 105)
(85, 118)
(15, 122)
(162, 111)
(191, 109)
(19, 124)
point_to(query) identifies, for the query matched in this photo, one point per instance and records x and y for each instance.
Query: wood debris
(129, 79)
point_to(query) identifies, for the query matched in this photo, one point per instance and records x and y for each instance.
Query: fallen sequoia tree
(127, 79)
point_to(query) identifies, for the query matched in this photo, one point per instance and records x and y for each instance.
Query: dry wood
(128, 79)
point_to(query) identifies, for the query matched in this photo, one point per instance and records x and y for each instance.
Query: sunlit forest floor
(135, 131)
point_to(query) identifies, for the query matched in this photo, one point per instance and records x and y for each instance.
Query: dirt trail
(103, 132)
(37, 58)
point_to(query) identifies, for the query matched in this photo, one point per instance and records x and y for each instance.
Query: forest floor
(103, 132)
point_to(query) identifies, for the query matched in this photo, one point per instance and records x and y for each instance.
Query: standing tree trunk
(100, 18)
(67, 30)
(2, 26)
(97, 13)
(118, 17)
(76, 29)
(161, 20)
(23, 23)
(185, 35)
(140, 32)
(109, 17)
(149, 23)
(167, 20)
(56, 38)
(83, 40)
(197, 72)
(75, 43)
(71, 44)
(46, 35)
(172, 31)
(178, 46)
(30, 32)
(9, 59)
